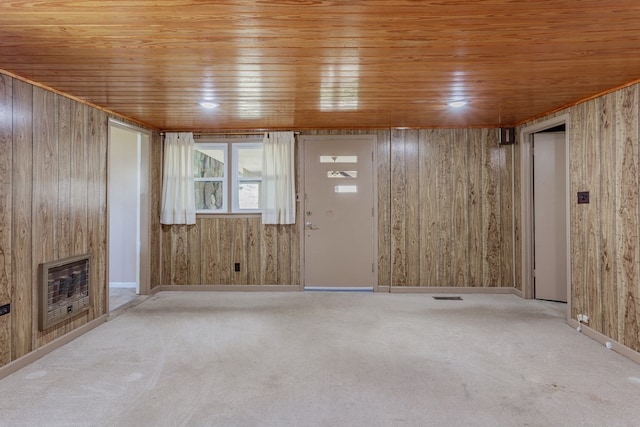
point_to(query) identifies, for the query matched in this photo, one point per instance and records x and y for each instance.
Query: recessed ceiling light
(457, 103)
(209, 105)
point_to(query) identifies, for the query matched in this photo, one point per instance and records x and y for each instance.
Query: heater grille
(64, 289)
(448, 298)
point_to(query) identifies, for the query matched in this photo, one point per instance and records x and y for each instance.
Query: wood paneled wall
(53, 204)
(205, 253)
(156, 207)
(444, 219)
(451, 208)
(604, 144)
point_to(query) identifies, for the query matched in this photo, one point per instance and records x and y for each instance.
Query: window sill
(229, 215)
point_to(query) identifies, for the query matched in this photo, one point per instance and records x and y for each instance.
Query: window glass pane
(346, 188)
(342, 174)
(209, 195)
(208, 162)
(250, 162)
(338, 159)
(249, 195)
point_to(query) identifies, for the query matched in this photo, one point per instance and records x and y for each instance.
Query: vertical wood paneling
(428, 176)
(96, 203)
(506, 215)
(398, 208)
(491, 211)
(445, 219)
(194, 255)
(413, 200)
(45, 187)
(430, 201)
(475, 238)
(459, 199)
(210, 268)
(627, 220)
(63, 220)
(607, 194)
(155, 197)
(254, 236)
(180, 255)
(225, 228)
(22, 192)
(269, 253)
(52, 205)
(383, 157)
(238, 241)
(577, 212)
(166, 254)
(79, 173)
(517, 214)
(604, 238)
(591, 168)
(284, 255)
(6, 156)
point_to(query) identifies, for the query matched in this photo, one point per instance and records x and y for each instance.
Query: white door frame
(143, 228)
(301, 161)
(526, 202)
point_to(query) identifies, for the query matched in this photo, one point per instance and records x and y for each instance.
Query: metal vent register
(64, 289)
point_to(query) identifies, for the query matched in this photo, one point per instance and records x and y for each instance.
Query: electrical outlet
(236, 266)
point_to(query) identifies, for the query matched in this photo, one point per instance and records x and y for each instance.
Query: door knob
(310, 226)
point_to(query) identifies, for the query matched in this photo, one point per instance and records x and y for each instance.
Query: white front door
(550, 232)
(339, 234)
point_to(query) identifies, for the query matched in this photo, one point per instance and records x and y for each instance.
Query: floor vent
(448, 298)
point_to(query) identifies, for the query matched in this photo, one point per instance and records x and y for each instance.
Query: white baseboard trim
(232, 288)
(603, 339)
(36, 354)
(123, 285)
(449, 290)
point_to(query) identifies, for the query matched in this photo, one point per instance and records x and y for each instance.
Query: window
(214, 163)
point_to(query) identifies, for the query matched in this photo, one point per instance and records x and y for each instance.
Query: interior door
(339, 235)
(550, 232)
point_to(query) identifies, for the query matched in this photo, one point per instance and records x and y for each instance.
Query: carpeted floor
(328, 359)
(119, 296)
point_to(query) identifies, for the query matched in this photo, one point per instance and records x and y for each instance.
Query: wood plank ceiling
(286, 64)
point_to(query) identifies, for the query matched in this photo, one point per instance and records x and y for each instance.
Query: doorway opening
(128, 207)
(545, 204)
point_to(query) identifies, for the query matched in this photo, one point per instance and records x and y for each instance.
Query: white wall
(123, 202)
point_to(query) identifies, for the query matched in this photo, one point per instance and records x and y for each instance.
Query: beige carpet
(328, 359)
(120, 296)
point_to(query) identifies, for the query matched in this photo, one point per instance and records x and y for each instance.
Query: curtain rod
(254, 133)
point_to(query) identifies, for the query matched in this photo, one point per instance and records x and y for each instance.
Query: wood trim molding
(603, 339)
(526, 202)
(579, 101)
(36, 354)
(75, 98)
(230, 288)
(450, 290)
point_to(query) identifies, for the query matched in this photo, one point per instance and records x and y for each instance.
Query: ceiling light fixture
(457, 103)
(209, 105)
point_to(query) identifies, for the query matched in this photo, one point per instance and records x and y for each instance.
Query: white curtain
(278, 178)
(178, 200)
